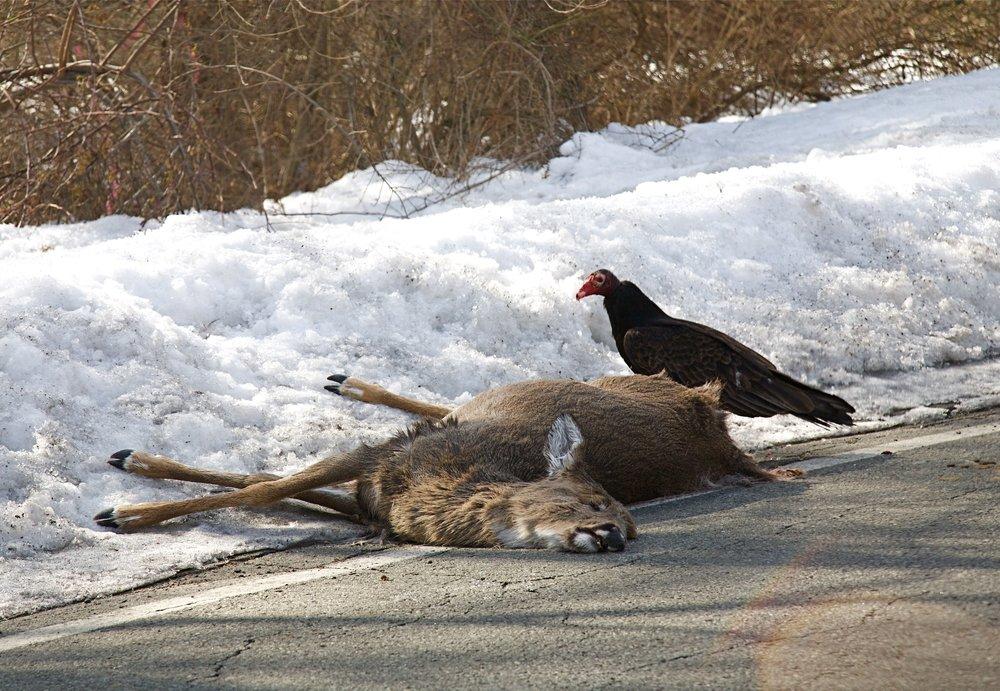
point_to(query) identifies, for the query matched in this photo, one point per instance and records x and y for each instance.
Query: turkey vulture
(651, 341)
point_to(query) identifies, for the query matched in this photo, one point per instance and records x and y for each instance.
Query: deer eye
(598, 507)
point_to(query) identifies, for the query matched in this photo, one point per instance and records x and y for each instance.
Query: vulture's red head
(601, 282)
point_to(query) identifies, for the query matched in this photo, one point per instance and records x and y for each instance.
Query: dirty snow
(855, 243)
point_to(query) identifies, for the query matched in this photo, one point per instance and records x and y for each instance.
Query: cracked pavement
(880, 573)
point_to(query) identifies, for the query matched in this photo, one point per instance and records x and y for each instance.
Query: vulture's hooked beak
(586, 289)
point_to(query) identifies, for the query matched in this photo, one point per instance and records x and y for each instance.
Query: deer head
(566, 509)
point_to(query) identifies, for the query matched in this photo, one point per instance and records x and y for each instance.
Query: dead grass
(146, 108)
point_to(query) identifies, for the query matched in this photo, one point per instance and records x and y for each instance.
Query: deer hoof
(120, 458)
(107, 519)
(347, 387)
(119, 520)
(338, 380)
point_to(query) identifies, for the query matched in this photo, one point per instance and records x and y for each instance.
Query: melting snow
(855, 243)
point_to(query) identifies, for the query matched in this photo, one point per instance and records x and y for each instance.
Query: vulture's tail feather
(823, 408)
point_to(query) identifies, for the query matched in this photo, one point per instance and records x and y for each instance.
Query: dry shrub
(147, 108)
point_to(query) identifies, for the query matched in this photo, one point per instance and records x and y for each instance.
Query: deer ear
(564, 443)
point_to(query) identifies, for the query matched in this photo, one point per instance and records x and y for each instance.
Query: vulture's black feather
(651, 341)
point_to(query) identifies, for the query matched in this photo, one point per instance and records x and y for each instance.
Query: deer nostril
(614, 539)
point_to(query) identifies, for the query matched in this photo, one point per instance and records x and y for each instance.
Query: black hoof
(118, 458)
(106, 519)
(338, 379)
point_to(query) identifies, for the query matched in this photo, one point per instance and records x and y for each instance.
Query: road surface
(876, 570)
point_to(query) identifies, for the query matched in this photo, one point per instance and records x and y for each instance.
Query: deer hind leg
(363, 391)
(784, 473)
(163, 468)
(330, 471)
(749, 471)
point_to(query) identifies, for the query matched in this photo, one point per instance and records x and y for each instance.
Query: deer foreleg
(359, 390)
(163, 468)
(330, 471)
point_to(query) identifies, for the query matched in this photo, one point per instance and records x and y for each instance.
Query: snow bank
(856, 243)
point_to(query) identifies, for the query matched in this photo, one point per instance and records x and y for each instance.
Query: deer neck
(447, 510)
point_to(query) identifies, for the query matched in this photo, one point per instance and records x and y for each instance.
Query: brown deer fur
(532, 464)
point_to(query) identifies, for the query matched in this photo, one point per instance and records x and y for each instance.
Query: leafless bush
(151, 107)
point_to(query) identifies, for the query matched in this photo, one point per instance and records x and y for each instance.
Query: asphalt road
(882, 572)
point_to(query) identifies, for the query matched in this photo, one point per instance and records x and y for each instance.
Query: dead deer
(531, 464)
